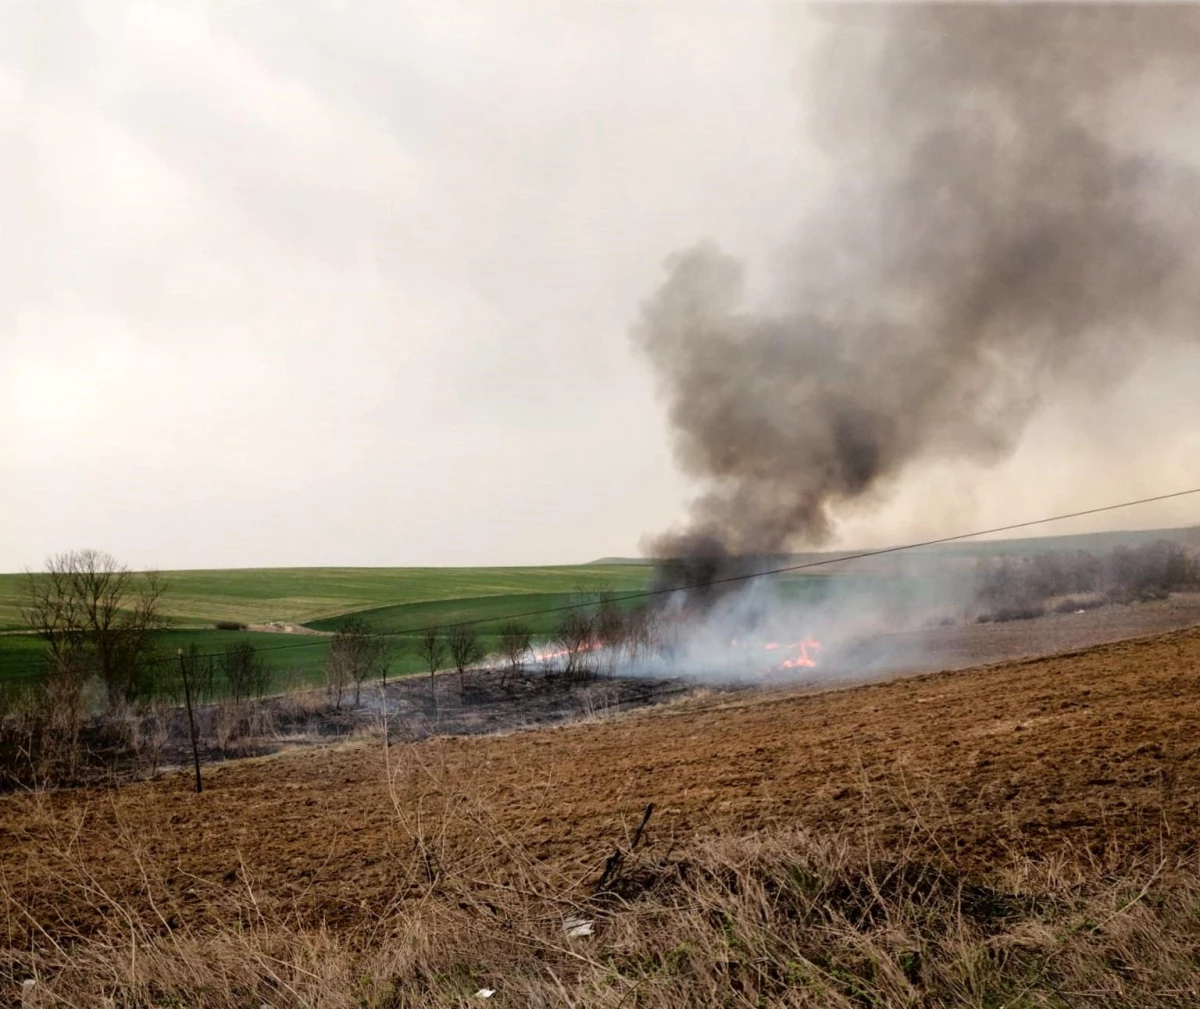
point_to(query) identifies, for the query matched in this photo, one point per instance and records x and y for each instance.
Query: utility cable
(732, 579)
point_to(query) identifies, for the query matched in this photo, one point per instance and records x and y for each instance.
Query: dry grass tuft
(787, 918)
(1021, 836)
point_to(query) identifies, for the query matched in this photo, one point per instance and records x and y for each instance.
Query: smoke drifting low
(1009, 228)
(1018, 588)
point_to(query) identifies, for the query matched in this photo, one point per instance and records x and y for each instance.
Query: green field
(22, 658)
(400, 600)
(300, 595)
(417, 598)
(389, 599)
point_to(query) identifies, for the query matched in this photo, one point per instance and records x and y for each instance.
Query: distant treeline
(1013, 588)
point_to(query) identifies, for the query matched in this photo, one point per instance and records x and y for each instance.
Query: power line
(786, 569)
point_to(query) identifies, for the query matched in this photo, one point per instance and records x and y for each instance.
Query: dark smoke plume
(1009, 226)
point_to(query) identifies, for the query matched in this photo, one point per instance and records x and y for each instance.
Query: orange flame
(804, 657)
(803, 660)
(588, 646)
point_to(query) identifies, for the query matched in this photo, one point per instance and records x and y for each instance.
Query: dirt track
(1096, 747)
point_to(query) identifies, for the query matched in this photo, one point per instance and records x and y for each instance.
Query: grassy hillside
(314, 595)
(390, 598)
(400, 599)
(300, 595)
(492, 609)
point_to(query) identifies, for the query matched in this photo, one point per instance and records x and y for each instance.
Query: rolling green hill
(390, 599)
(301, 595)
(396, 600)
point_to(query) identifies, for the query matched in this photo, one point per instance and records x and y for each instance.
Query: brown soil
(1092, 748)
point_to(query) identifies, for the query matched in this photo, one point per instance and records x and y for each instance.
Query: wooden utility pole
(187, 696)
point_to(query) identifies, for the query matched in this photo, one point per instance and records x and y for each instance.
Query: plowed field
(1087, 748)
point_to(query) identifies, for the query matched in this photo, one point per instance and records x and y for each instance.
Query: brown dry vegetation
(1022, 834)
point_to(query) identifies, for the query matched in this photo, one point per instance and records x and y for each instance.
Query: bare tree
(641, 631)
(355, 655)
(338, 669)
(612, 628)
(515, 642)
(53, 612)
(373, 662)
(86, 605)
(244, 671)
(386, 649)
(465, 647)
(432, 648)
(610, 622)
(576, 637)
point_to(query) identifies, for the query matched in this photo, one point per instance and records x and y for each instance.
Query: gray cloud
(288, 284)
(308, 282)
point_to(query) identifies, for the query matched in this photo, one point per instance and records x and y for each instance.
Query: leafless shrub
(64, 709)
(575, 637)
(339, 668)
(640, 634)
(612, 627)
(244, 671)
(355, 655)
(431, 646)
(337, 679)
(261, 722)
(1020, 588)
(295, 712)
(598, 702)
(155, 732)
(516, 640)
(465, 647)
(226, 718)
(235, 727)
(22, 737)
(41, 729)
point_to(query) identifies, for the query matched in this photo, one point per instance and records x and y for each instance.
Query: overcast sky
(292, 283)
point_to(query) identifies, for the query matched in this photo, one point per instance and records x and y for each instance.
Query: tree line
(109, 690)
(109, 695)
